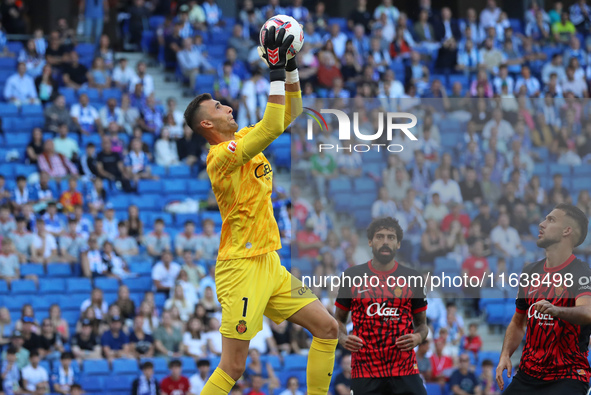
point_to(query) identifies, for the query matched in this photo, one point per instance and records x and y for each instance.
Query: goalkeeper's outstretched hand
(274, 50)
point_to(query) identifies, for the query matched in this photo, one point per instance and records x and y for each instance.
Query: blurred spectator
(557, 190)
(93, 13)
(462, 380)
(85, 344)
(96, 197)
(75, 74)
(123, 74)
(13, 17)
(209, 241)
(85, 117)
(165, 150)
(51, 343)
(476, 265)
(22, 240)
(187, 240)
(158, 240)
(125, 245)
(46, 85)
(64, 374)
(44, 248)
(151, 116)
(505, 238)
(21, 194)
(447, 189)
(423, 362)
(34, 377)
(441, 364)
(472, 342)
(177, 299)
(141, 77)
(384, 206)
(167, 338)
(15, 347)
(342, 382)
(189, 146)
(64, 145)
(175, 383)
(490, 15)
(35, 147)
(165, 273)
(71, 197)
(20, 87)
(308, 242)
(194, 345)
(7, 223)
(98, 76)
(146, 383)
(435, 209)
(72, 243)
(9, 262)
(487, 379)
(456, 214)
(111, 116)
(115, 341)
(199, 379)
(110, 166)
(53, 221)
(59, 323)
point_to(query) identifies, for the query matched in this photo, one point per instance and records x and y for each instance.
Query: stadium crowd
(503, 136)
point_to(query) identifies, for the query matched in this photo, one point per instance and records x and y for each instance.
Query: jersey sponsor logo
(546, 319)
(241, 327)
(262, 170)
(581, 372)
(381, 310)
(232, 146)
(303, 290)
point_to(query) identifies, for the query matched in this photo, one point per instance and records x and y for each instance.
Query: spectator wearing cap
(72, 243)
(44, 245)
(85, 345)
(20, 87)
(165, 273)
(158, 240)
(146, 383)
(64, 374)
(22, 239)
(56, 165)
(115, 342)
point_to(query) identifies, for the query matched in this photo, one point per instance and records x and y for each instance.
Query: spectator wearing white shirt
(338, 38)
(111, 117)
(123, 74)
(448, 189)
(293, 387)
(503, 79)
(253, 95)
(527, 82)
(577, 86)
(176, 130)
(387, 8)
(384, 206)
(490, 15)
(97, 303)
(506, 239)
(213, 13)
(554, 66)
(199, 379)
(44, 249)
(503, 127)
(85, 117)
(20, 87)
(143, 78)
(165, 272)
(35, 378)
(165, 150)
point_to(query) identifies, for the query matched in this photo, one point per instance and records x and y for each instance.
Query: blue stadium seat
(95, 367)
(23, 287)
(150, 186)
(3, 287)
(273, 360)
(51, 286)
(433, 389)
(160, 364)
(68, 303)
(112, 93)
(118, 383)
(339, 185)
(25, 170)
(155, 21)
(149, 202)
(32, 269)
(342, 22)
(15, 302)
(364, 185)
(32, 109)
(215, 216)
(69, 94)
(18, 141)
(295, 362)
(204, 83)
(41, 303)
(174, 186)
(159, 300)
(140, 267)
(80, 285)
(189, 365)
(7, 63)
(140, 284)
(92, 384)
(106, 284)
(72, 317)
(125, 366)
(159, 171)
(110, 297)
(556, 168)
(180, 219)
(85, 49)
(59, 270)
(179, 171)
(120, 202)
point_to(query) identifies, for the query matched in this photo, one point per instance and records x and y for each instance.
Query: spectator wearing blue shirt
(213, 13)
(299, 12)
(64, 374)
(95, 12)
(21, 193)
(42, 192)
(53, 222)
(20, 87)
(273, 8)
(10, 372)
(115, 342)
(136, 162)
(462, 381)
(151, 117)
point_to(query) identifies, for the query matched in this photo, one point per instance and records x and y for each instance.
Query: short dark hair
(11, 350)
(21, 178)
(159, 221)
(192, 112)
(75, 387)
(34, 353)
(385, 223)
(67, 355)
(175, 363)
(147, 365)
(203, 362)
(580, 218)
(189, 222)
(487, 362)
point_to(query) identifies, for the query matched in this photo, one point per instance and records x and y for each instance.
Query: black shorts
(526, 384)
(401, 385)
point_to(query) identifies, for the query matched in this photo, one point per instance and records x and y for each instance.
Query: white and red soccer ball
(291, 26)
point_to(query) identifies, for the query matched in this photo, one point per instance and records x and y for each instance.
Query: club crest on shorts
(241, 327)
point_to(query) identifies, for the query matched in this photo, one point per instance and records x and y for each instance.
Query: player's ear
(206, 124)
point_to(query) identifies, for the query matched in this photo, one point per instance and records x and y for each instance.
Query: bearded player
(389, 317)
(554, 313)
(249, 277)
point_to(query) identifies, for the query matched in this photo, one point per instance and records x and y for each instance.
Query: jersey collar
(557, 268)
(376, 271)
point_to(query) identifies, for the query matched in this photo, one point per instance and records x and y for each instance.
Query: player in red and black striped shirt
(389, 317)
(557, 311)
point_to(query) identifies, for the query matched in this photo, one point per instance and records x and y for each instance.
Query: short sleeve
(344, 297)
(226, 157)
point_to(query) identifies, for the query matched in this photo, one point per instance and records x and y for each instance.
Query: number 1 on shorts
(245, 306)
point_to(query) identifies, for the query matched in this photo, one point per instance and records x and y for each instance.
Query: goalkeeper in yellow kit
(250, 280)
